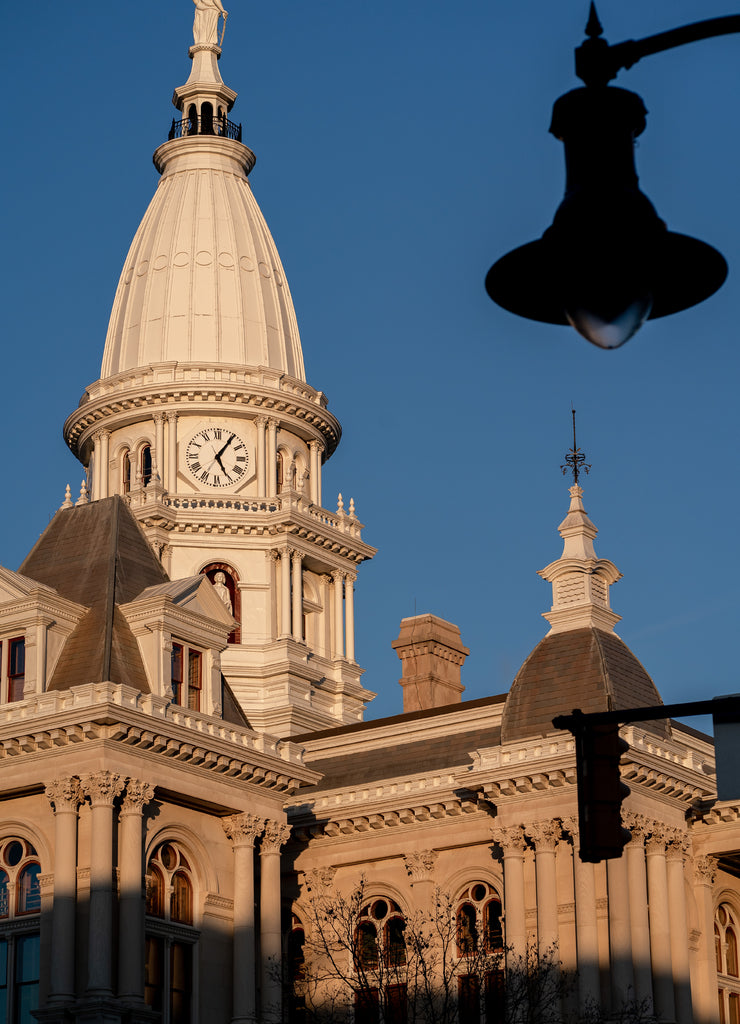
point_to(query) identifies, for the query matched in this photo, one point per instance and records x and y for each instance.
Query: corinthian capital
(243, 829)
(138, 793)
(545, 834)
(65, 794)
(420, 865)
(276, 835)
(705, 869)
(102, 787)
(510, 838)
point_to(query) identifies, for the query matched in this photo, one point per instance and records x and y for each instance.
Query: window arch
(478, 920)
(20, 907)
(145, 460)
(169, 962)
(726, 933)
(380, 933)
(231, 582)
(125, 471)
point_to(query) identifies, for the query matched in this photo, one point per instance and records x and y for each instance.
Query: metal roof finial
(593, 25)
(575, 460)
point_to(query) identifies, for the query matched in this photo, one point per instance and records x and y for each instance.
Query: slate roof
(583, 668)
(97, 555)
(401, 755)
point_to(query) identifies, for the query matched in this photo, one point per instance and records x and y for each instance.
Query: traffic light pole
(716, 706)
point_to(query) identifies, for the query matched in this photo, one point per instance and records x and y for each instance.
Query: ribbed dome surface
(588, 669)
(203, 281)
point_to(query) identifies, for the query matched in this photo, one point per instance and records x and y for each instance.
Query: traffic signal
(599, 749)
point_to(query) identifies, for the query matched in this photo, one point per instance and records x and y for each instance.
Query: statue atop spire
(205, 25)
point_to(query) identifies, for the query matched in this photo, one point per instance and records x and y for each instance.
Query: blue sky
(402, 147)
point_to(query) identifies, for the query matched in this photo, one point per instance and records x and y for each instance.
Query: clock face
(216, 456)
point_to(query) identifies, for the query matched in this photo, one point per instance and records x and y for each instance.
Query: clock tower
(203, 420)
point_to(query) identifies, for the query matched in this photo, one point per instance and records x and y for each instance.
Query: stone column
(513, 843)
(545, 835)
(660, 927)
(313, 447)
(271, 467)
(158, 455)
(298, 596)
(171, 481)
(587, 927)
(639, 921)
(260, 457)
(242, 830)
(275, 835)
(705, 996)
(132, 907)
(65, 796)
(102, 788)
(620, 936)
(677, 848)
(338, 578)
(285, 592)
(349, 611)
(101, 458)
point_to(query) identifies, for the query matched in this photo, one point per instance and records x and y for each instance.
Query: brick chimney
(432, 655)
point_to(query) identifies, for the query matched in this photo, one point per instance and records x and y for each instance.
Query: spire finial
(575, 460)
(593, 25)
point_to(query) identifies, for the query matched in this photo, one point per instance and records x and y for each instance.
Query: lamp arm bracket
(598, 63)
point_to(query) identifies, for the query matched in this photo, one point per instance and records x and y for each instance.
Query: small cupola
(204, 101)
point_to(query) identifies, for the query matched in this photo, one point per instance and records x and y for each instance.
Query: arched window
(230, 581)
(206, 119)
(478, 918)
(192, 126)
(380, 933)
(725, 944)
(146, 465)
(125, 471)
(20, 897)
(280, 475)
(169, 949)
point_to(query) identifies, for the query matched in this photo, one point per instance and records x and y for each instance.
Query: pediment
(14, 587)
(194, 594)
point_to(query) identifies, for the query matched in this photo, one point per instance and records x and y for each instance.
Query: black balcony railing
(205, 125)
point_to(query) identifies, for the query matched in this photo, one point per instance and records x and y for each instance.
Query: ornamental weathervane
(575, 459)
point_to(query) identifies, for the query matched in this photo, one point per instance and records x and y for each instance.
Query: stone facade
(185, 761)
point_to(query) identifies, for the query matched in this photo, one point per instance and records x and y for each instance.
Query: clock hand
(218, 460)
(218, 456)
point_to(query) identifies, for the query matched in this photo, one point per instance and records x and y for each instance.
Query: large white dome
(203, 281)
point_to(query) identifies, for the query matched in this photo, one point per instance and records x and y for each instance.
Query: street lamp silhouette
(608, 263)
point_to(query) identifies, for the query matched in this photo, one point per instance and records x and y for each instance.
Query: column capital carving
(272, 423)
(243, 829)
(102, 787)
(337, 575)
(325, 579)
(171, 417)
(351, 577)
(656, 841)
(677, 845)
(296, 555)
(705, 870)
(319, 879)
(545, 834)
(273, 554)
(510, 838)
(159, 417)
(138, 793)
(638, 825)
(316, 446)
(420, 865)
(276, 834)
(65, 794)
(100, 433)
(261, 421)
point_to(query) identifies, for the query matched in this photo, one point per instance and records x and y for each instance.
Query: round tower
(203, 420)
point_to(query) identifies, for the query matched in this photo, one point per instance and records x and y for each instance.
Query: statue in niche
(219, 585)
(205, 26)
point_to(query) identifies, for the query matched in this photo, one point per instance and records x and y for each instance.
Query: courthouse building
(182, 738)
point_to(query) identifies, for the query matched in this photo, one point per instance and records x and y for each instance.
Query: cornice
(144, 722)
(289, 515)
(202, 389)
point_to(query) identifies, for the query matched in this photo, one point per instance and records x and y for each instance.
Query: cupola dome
(203, 282)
